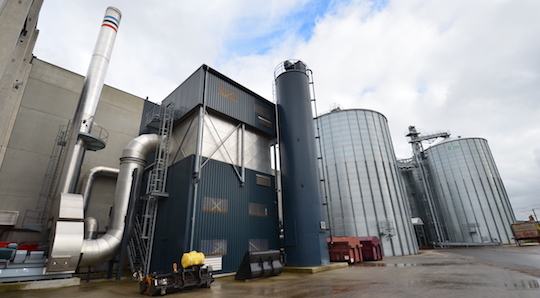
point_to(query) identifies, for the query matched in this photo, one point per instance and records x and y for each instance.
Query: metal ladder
(35, 219)
(140, 245)
(320, 159)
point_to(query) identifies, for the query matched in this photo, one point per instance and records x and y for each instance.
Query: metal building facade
(222, 196)
(363, 188)
(470, 197)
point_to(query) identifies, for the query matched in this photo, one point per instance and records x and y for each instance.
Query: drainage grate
(523, 285)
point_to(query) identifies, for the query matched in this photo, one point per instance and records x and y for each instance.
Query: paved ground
(459, 272)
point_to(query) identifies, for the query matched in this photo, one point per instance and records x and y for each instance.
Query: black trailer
(191, 277)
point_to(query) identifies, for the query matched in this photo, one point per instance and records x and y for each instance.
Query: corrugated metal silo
(365, 192)
(305, 239)
(469, 194)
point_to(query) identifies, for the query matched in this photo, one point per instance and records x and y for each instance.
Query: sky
(468, 67)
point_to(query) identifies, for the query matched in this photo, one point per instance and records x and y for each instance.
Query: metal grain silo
(469, 194)
(305, 238)
(364, 190)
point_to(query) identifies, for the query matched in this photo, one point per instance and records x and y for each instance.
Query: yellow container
(192, 258)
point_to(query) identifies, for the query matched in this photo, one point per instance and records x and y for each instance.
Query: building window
(258, 244)
(258, 209)
(227, 92)
(216, 205)
(212, 247)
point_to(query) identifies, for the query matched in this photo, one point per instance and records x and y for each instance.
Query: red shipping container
(345, 249)
(371, 248)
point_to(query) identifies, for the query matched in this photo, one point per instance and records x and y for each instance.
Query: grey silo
(364, 190)
(469, 194)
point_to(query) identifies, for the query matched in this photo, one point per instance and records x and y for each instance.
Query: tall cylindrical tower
(305, 238)
(365, 193)
(80, 134)
(469, 194)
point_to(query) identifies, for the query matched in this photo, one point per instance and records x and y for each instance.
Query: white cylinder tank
(470, 197)
(363, 188)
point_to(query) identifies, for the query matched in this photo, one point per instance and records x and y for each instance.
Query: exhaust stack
(80, 137)
(67, 232)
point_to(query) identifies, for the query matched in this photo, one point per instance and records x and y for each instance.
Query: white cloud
(471, 67)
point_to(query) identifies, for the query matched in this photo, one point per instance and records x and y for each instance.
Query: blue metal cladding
(236, 226)
(172, 223)
(212, 89)
(365, 193)
(225, 226)
(469, 194)
(189, 94)
(302, 204)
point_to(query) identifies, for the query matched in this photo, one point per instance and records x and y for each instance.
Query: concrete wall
(18, 36)
(50, 100)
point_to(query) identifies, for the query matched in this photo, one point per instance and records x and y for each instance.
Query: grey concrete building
(36, 100)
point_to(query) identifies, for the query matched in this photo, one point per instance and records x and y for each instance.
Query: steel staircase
(140, 245)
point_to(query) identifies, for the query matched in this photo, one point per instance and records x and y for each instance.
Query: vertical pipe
(88, 101)
(243, 170)
(197, 170)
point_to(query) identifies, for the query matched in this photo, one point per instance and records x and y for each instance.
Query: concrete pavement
(458, 272)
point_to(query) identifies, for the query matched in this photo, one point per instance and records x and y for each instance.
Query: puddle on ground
(367, 264)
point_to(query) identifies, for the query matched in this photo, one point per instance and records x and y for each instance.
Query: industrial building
(88, 181)
(37, 106)
(221, 186)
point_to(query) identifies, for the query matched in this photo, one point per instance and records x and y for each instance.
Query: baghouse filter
(364, 190)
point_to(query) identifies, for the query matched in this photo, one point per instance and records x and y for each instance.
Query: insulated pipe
(88, 181)
(88, 102)
(97, 251)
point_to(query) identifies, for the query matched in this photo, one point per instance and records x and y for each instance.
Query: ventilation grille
(263, 180)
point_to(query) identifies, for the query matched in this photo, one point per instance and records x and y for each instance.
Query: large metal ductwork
(97, 251)
(90, 177)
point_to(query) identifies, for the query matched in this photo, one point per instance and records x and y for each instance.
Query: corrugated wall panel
(365, 193)
(232, 224)
(231, 99)
(224, 96)
(173, 217)
(236, 226)
(189, 94)
(469, 193)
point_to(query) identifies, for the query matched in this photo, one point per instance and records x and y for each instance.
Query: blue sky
(470, 67)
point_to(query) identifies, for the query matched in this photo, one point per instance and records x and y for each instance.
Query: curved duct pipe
(97, 251)
(90, 176)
